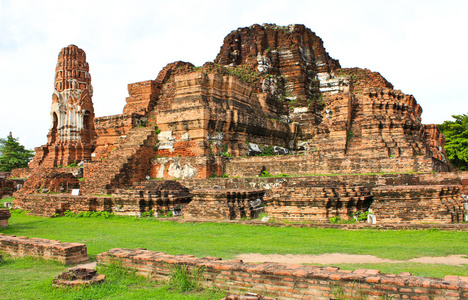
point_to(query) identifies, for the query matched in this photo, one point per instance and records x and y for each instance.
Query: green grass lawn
(227, 240)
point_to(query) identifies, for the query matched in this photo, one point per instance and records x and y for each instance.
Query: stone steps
(115, 168)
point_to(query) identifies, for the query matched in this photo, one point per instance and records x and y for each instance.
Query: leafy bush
(162, 213)
(363, 216)
(88, 214)
(147, 214)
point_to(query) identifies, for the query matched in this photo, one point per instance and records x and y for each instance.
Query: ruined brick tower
(72, 135)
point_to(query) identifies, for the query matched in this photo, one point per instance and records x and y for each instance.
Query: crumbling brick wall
(290, 281)
(67, 253)
(50, 180)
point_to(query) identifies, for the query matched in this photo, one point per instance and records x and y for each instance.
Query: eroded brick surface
(151, 195)
(68, 253)
(286, 281)
(300, 203)
(228, 204)
(434, 204)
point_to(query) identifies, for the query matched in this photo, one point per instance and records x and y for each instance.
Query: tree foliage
(13, 155)
(456, 146)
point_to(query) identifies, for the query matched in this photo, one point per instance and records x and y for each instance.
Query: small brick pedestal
(4, 216)
(78, 276)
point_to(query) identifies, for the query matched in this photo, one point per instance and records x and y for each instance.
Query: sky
(419, 46)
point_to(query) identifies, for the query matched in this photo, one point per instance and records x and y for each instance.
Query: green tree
(13, 155)
(456, 146)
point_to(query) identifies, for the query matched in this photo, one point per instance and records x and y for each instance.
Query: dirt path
(338, 258)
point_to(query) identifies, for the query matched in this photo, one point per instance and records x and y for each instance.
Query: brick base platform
(290, 281)
(67, 253)
(418, 204)
(317, 203)
(155, 195)
(229, 204)
(47, 205)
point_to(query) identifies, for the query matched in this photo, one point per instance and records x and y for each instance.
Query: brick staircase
(130, 162)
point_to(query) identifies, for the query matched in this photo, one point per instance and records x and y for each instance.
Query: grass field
(226, 241)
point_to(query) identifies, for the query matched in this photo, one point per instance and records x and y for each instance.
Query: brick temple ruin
(273, 102)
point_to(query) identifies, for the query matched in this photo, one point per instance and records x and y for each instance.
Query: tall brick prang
(71, 137)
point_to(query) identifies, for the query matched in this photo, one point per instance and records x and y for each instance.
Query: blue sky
(419, 46)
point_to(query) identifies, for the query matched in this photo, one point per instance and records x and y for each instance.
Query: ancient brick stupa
(273, 102)
(71, 136)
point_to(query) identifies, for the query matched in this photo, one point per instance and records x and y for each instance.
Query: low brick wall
(418, 204)
(67, 253)
(4, 216)
(291, 281)
(47, 205)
